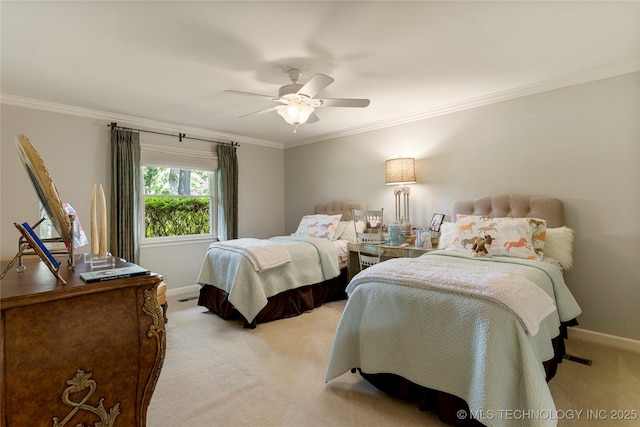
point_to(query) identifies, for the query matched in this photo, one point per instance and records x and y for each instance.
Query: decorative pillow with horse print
(319, 225)
(513, 237)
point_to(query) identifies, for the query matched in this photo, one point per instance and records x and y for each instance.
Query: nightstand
(388, 252)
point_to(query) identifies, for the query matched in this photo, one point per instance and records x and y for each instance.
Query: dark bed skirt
(286, 304)
(448, 406)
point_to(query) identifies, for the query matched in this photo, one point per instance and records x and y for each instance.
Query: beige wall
(76, 152)
(580, 144)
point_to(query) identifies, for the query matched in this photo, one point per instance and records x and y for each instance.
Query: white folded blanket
(263, 254)
(530, 303)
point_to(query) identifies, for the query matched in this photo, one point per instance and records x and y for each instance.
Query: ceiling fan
(297, 101)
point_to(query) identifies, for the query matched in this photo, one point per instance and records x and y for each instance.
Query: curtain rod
(180, 136)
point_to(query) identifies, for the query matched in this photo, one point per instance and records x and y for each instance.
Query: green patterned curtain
(228, 191)
(125, 182)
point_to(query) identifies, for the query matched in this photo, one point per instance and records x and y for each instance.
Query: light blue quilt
(313, 260)
(466, 346)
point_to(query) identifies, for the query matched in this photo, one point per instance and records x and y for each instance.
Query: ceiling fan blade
(315, 85)
(344, 102)
(312, 118)
(266, 110)
(238, 92)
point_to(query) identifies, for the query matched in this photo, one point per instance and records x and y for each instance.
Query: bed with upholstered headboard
(512, 206)
(260, 280)
(467, 334)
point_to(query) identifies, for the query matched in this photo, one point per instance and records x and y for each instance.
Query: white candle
(102, 246)
(94, 224)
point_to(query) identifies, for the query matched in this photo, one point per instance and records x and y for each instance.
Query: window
(178, 193)
(177, 202)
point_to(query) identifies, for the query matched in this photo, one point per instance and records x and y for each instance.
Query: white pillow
(346, 231)
(559, 246)
(340, 229)
(320, 226)
(447, 233)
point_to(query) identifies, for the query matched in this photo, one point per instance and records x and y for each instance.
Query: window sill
(176, 241)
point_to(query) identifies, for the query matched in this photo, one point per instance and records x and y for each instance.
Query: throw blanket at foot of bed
(530, 303)
(312, 261)
(262, 254)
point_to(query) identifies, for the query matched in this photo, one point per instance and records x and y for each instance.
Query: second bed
(234, 287)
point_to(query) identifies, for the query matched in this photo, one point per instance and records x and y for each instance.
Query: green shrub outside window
(170, 216)
(177, 202)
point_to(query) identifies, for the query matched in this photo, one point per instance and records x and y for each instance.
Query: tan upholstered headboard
(512, 205)
(339, 206)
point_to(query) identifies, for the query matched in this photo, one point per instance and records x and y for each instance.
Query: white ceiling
(171, 61)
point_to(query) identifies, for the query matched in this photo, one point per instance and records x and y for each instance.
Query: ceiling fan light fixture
(295, 113)
(298, 101)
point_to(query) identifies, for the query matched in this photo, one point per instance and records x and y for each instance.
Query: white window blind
(156, 155)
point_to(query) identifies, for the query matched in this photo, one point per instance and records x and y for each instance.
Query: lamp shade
(295, 113)
(401, 171)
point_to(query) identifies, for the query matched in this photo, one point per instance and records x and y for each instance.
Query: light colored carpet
(216, 373)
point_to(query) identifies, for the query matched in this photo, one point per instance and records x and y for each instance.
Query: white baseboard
(193, 289)
(604, 339)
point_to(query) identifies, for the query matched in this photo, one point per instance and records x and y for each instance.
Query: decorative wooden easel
(30, 244)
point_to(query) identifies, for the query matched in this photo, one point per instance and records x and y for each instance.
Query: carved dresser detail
(86, 354)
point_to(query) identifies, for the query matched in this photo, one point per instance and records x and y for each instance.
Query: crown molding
(131, 121)
(492, 98)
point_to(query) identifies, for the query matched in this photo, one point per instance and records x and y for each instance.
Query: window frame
(180, 164)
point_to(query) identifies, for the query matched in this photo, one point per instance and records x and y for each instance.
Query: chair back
(368, 227)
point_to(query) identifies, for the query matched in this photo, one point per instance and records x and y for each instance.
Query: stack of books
(128, 270)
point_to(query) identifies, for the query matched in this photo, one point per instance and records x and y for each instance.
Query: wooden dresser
(78, 354)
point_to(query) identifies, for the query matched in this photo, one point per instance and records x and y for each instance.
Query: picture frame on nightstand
(436, 222)
(423, 238)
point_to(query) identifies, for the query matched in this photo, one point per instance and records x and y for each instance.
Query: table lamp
(400, 172)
